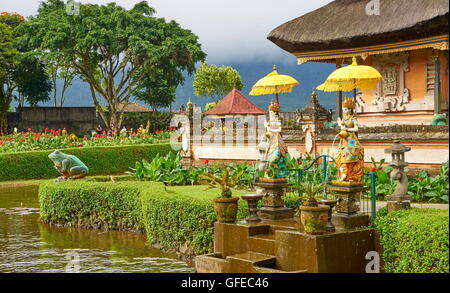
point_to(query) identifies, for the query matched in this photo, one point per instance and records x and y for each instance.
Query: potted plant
(314, 217)
(225, 205)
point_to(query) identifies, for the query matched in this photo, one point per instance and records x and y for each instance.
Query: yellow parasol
(274, 83)
(352, 77)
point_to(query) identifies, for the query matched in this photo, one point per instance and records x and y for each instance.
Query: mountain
(310, 75)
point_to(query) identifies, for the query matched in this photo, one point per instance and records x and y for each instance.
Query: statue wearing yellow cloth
(350, 155)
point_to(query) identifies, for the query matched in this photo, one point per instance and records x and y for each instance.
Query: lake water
(29, 246)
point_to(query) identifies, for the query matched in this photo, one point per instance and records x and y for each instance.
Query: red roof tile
(235, 103)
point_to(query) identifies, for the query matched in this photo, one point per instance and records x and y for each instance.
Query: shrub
(172, 216)
(92, 205)
(414, 241)
(100, 160)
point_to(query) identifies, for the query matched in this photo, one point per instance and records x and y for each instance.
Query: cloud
(229, 30)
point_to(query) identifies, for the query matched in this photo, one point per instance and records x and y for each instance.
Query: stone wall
(429, 145)
(75, 119)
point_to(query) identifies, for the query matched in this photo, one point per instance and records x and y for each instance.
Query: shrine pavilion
(234, 105)
(405, 40)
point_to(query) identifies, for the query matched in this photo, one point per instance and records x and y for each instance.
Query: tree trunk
(5, 102)
(3, 122)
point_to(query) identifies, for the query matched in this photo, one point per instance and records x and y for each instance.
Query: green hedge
(100, 160)
(415, 240)
(173, 216)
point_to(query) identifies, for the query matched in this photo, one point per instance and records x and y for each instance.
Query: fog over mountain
(232, 32)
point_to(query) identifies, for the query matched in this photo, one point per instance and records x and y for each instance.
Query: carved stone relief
(391, 94)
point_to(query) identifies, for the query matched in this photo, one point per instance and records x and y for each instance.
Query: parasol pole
(276, 95)
(339, 95)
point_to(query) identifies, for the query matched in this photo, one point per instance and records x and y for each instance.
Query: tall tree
(59, 69)
(216, 82)
(32, 80)
(24, 78)
(7, 62)
(114, 50)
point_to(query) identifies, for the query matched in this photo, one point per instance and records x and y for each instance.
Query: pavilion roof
(235, 103)
(344, 24)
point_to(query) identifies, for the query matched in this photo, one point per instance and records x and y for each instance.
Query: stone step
(258, 229)
(264, 270)
(262, 243)
(252, 258)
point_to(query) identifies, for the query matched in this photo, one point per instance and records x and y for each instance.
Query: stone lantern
(400, 198)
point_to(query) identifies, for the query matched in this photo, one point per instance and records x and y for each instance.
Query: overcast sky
(230, 31)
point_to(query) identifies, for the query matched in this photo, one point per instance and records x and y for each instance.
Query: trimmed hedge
(100, 160)
(173, 216)
(415, 240)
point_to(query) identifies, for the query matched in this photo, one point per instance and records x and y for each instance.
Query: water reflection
(26, 245)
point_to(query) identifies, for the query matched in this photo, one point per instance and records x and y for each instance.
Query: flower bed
(59, 139)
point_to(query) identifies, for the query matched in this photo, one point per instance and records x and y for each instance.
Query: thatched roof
(344, 24)
(235, 103)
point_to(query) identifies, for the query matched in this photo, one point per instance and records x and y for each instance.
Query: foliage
(209, 106)
(158, 120)
(115, 50)
(224, 182)
(32, 80)
(100, 160)
(8, 61)
(215, 82)
(171, 216)
(311, 191)
(23, 76)
(91, 205)
(58, 68)
(156, 92)
(432, 189)
(168, 169)
(414, 241)
(421, 187)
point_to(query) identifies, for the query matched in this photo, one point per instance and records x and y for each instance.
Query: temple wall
(429, 146)
(416, 105)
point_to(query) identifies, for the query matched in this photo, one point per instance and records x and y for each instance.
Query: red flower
(206, 162)
(374, 169)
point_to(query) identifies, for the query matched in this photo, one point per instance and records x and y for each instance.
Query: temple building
(406, 40)
(235, 104)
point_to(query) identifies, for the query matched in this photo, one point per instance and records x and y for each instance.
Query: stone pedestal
(395, 203)
(273, 203)
(252, 200)
(347, 214)
(331, 203)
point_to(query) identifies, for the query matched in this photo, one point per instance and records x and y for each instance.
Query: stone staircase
(280, 246)
(260, 256)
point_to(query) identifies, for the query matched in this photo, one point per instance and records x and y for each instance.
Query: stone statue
(276, 149)
(350, 155)
(400, 199)
(69, 166)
